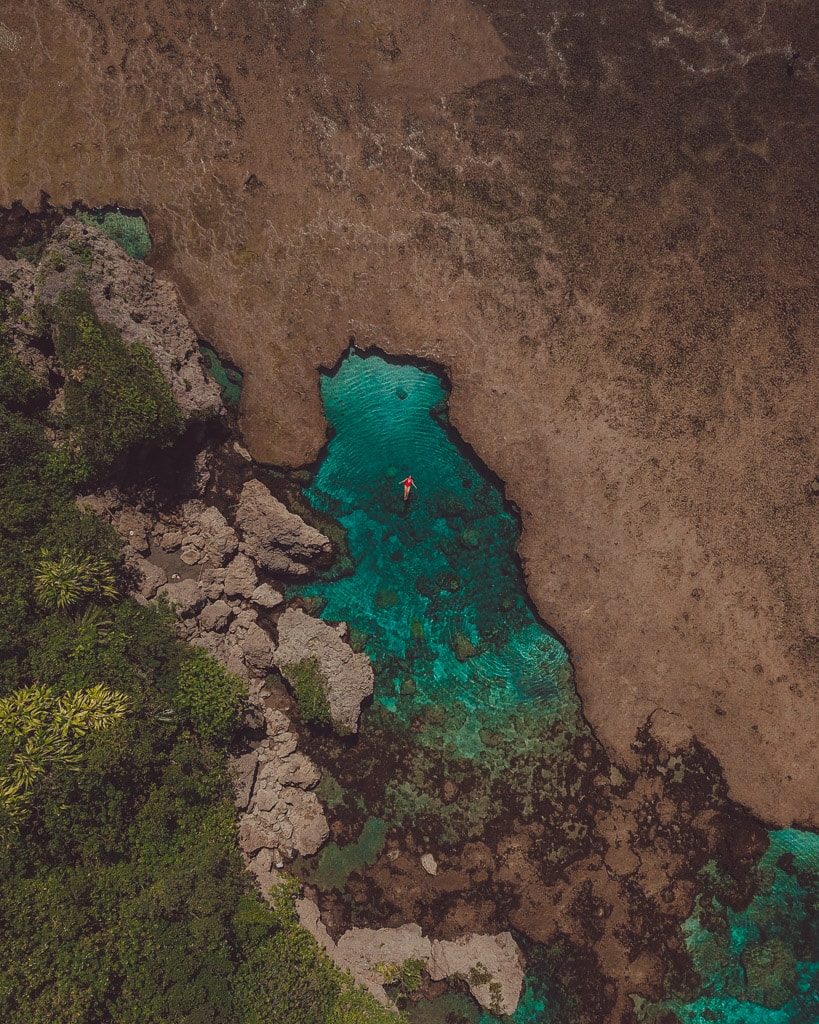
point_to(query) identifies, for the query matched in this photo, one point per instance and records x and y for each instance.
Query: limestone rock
(495, 955)
(429, 864)
(185, 595)
(266, 597)
(171, 540)
(492, 964)
(144, 309)
(243, 770)
(310, 920)
(212, 581)
(257, 648)
(360, 949)
(220, 540)
(278, 540)
(348, 676)
(240, 577)
(153, 577)
(215, 616)
(133, 527)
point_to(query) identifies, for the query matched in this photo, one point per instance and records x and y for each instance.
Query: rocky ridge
(192, 557)
(144, 308)
(492, 965)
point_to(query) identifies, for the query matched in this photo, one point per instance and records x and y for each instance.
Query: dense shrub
(308, 685)
(123, 896)
(115, 394)
(208, 697)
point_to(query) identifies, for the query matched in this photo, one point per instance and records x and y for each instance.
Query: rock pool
(475, 693)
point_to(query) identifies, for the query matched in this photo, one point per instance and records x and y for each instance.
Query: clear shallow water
(437, 599)
(437, 594)
(128, 230)
(760, 965)
(228, 379)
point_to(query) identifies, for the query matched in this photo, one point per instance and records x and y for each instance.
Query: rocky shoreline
(221, 562)
(228, 603)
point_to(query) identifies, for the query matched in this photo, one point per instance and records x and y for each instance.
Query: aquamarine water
(128, 230)
(436, 597)
(437, 593)
(228, 379)
(759, 965)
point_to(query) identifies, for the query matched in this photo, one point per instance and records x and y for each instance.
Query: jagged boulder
(277, 539)
(347, 677)
(240, 577)
(491, 964)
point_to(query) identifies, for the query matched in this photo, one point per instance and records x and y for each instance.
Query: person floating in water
(408, 482)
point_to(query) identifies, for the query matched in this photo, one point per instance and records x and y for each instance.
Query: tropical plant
(39, 728)
(64, 580)
(209, 697)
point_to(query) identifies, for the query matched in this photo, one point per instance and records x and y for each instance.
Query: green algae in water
(436, 589)
(228, 379)
(336, 862)
(128, 230)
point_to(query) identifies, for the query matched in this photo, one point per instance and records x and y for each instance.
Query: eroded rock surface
(277, 539)
(144, 308)
(491, 964)
(347, 676)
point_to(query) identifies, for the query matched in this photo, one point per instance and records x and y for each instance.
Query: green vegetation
(38, 728)
(309, 687)
(208, 697)
(115, 394)
(64, 580)
(128, 230)
(406, 977)
(123, 896)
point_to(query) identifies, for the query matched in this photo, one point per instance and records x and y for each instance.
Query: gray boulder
(240, 577)
(347, 676)
(276, 538)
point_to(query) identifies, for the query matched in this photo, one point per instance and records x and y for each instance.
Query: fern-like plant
(39, 728)
(64, 580)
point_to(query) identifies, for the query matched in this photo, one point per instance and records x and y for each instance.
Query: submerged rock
(347, 676)
(277, 539)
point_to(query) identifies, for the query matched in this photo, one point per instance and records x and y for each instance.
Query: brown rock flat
(601, 219)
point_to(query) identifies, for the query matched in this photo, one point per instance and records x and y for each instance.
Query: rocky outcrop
(347, 676)
(277, 539)
(145, 309)
(491, 964)
(190, 556)
(280, 814)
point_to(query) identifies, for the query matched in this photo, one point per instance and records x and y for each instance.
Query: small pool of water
(437, 597)
(228, 378)
(128, 230)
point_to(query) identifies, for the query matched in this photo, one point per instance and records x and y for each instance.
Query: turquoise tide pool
(436, 597)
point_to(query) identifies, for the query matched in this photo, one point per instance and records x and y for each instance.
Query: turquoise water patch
(437, 592)
(759, 965)
(128, 230)
(228, 379)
